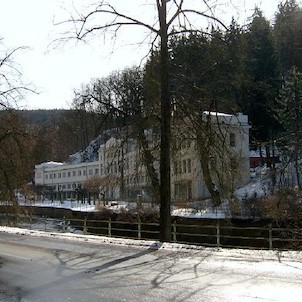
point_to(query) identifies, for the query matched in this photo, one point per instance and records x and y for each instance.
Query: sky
(55, 71)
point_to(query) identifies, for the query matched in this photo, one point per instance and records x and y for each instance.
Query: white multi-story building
(222, 145)
(62, 181)
(120, 174)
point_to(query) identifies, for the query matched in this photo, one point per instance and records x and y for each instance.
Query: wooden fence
(212, 235)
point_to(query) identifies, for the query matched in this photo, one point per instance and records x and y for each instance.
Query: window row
(74, 173)
(115, 168)
(137, 180)
(70, 186)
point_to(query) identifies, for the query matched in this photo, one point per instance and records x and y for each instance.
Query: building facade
(120, 172)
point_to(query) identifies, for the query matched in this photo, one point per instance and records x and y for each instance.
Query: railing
(212, 235)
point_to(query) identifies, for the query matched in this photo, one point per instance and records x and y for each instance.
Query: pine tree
(288, 35)
(289, 116)
(262, 73)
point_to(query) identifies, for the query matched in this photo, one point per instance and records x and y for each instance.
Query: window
(84, 172)
(189, 165)
(184, 166)
(176, 167)
(64, 174)
(59, 175)
(68, 174)
(96, 171)
(74, 173)
(90, 172)
(46, 176)
(232, 139)
(79, 173)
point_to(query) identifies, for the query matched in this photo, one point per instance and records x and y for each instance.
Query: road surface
(54, 269)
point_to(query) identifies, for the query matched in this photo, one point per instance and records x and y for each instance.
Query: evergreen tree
(289, 114)
(288, 35)
(262, 73)
(235, 66)
(290, 102)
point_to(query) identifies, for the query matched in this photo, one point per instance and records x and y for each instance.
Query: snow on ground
(116, 206)
(257, 187)
(75, 205)
(207, 213)
(290, 259)
(66, 204)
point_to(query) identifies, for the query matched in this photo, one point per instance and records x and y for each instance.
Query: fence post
(218, 234)
(30, 221)
(139, 227)
(64, 224)
(45, 223)
(85, 226)
(174, 232)
(109, 227)
(270, 236)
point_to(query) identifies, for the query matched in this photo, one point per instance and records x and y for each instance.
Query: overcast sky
(57, 72)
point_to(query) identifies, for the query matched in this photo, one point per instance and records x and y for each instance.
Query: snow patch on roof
(50, 164)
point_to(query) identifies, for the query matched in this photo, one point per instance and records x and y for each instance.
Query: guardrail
(212, 235)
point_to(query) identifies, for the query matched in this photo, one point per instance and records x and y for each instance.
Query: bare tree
(106, 17)
(92, 185)
(13, 138)
(12, 88)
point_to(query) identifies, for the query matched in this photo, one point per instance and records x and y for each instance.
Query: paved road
(51, 269)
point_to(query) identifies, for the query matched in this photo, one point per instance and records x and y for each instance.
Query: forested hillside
(56, 134)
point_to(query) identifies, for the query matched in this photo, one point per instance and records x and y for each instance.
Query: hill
(43, 116)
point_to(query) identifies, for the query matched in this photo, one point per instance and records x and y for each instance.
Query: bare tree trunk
(148, 161)
(165, 177)
(203, 150)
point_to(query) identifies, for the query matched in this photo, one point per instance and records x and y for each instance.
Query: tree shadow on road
(68, 262)
(175, 275)
(124, 259)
